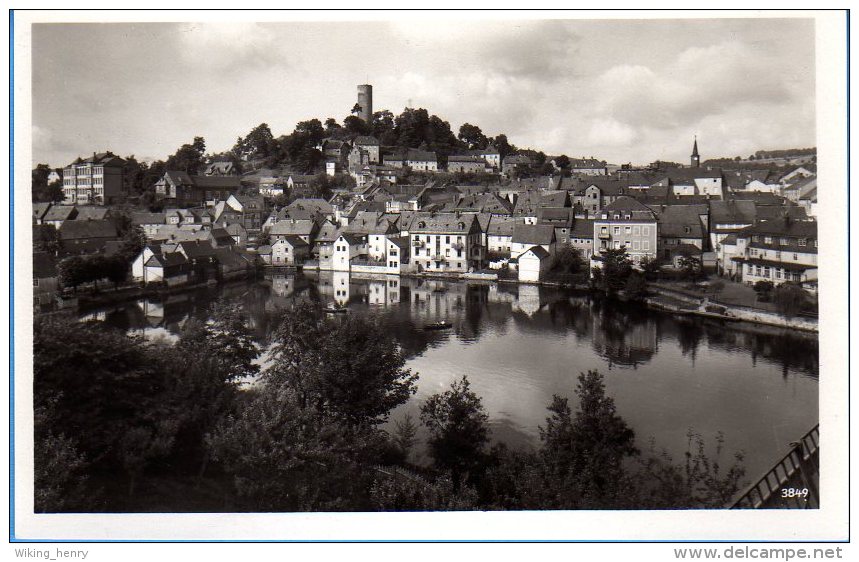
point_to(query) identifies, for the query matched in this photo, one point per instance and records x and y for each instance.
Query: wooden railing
(792, 483)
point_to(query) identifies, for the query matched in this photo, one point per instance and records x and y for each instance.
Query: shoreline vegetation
(128, 425)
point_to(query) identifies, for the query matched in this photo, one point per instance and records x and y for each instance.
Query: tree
(189, 157)
(227, 339)
(472, 136)
(586, 451)
(562, 162)
(456, 421)
(350, 369)
(72, 272)
(383, 127)
(691, 268)
(355, 126)
(102, 387)
(636, 286)
(41, 190)
(570, 260)
(616, 268)
(651, 267)
(283, 457)
(259, 143)
(763, 290)
(790, 299)
(404, 434)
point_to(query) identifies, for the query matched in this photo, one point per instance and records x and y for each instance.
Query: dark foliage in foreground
(128, 425)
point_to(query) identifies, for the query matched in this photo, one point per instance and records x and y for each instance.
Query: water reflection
(521, 344)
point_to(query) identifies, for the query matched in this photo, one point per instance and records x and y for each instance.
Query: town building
(463, 163)
(626, 223)
(98, 180)
(446, 242)
(776, 251)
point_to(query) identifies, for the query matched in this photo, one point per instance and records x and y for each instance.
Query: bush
(790, 299)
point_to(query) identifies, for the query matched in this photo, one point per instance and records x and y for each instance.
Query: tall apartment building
(626, 223)
(98, 180)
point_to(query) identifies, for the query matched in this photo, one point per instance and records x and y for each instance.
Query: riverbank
(678, 302)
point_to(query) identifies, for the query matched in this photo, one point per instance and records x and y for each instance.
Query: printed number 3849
(794, 492)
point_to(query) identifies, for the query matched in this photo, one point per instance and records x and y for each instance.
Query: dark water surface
(519, 345)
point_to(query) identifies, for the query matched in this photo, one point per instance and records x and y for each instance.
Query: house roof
(533, 234)
(231, 259)
(680, 221)
(75, 230)
(538, 251)
(292, 240)
(301, 227)
(556, 215)
(39, 209)
(167, 259)
(353, 238)
(627, 205)
(582, 228)
(732, 211)
(178, 177)
(365, 140)
(101, 159)
(442, 223)
(91, 212)
(60, 213)
(141, 218)
(502, 226)
(465, 158)
(194, 249)
(771, 212)
(401, 242)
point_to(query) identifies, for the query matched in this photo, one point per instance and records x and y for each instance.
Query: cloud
(229, 45)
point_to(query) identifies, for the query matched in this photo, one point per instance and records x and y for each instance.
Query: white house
(534, 263)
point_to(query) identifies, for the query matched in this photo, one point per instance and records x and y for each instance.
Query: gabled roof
(556, 215)
(76, 230)
(171, 259)
(681, 221)
(141, 218)
(366, 140)
(774, 212)
(533, 234)
(443, 223)
(39, 209)
(178, 178)
(582, 228)
(91, 212)
(60, 213)
(197, 249)
(538, 251)
(502, 226)
(353, 238)
(732, 211)
(292, 240)
(628, 204)
(292, 226)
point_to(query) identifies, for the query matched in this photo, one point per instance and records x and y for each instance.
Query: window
(645, 230)
(604, 230)
(636, 231)
(777, 273)
(802, 241)
(617, 230)
(795, 257)
(768, 239)
(645, 245)
(784, 241)
(627, 229)
(766, 272)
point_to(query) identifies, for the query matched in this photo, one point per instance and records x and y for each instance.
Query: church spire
(696, 159)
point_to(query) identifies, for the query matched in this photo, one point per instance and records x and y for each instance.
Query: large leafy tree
(456, 421)
(616, 268)
(472, 136)
(347, 369)
(42, 190)
(189, 157)
(259, 143)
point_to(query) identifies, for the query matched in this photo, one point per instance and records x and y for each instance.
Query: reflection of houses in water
(433, 298)
(623, 340)
(94, 316)
(384, 292)
(500, 294)
(528, 300)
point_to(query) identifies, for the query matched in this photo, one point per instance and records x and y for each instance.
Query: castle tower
(696, 159)
(365, 101)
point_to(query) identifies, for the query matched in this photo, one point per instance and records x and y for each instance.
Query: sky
(622, 91)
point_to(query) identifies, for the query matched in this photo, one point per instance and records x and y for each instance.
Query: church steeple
(696, 159)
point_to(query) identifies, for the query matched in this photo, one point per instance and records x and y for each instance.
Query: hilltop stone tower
(695, 159)
(365, 102)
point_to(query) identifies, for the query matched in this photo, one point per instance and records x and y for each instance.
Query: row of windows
(782, 241)
(634, 230)
(777, 273)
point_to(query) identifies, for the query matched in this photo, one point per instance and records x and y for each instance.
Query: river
(521, 344)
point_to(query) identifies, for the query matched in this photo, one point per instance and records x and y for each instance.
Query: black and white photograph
(297, 274)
